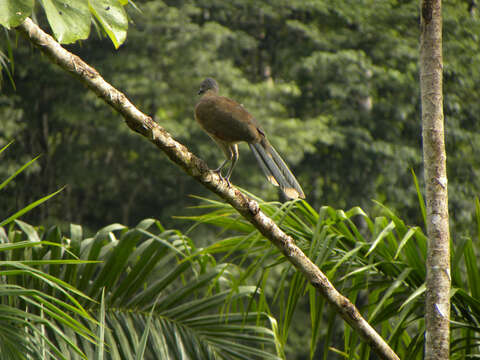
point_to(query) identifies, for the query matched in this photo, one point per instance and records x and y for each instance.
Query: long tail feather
(260, 161)
(291, 179)
(275, 168)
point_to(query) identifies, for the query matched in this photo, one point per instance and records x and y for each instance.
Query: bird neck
(210, 92)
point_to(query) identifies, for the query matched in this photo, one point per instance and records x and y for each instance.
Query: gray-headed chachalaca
(228, 123)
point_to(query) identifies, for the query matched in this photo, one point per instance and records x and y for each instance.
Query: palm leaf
(378, 262)
(150, 278)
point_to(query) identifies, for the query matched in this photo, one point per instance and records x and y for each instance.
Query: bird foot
(219, 173)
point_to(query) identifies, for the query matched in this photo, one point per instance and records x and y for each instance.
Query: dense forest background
(335, 85)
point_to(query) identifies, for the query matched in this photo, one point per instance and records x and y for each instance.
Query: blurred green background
(334, 84)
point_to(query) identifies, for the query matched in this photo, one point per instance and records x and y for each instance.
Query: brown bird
(228, 123)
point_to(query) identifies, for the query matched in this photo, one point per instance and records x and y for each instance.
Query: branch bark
(195, 167)
(437, 311)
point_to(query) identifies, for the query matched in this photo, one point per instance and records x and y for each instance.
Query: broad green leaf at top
(113, 18)
(69, 19)
(14, 12)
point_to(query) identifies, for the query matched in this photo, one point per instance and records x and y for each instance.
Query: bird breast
(226, 120)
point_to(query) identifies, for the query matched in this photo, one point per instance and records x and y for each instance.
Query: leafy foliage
(149, 283)
(28, 313)
(378, 263)
(13, 12)
(70, 19)
(150, 290)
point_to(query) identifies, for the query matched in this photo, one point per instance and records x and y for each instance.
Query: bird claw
(219, 173)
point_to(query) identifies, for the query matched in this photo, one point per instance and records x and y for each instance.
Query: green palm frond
(30, 315)
(136, 279)
(379, 263)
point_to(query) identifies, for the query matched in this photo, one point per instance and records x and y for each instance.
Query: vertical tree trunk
(437, 309)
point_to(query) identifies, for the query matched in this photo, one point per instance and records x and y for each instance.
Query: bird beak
(200, 92)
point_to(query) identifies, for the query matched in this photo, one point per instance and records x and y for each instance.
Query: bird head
(208, 84)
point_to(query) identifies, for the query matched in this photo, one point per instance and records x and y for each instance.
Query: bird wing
(226, 119)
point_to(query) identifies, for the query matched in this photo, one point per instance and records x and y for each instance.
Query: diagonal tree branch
(195, 167)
